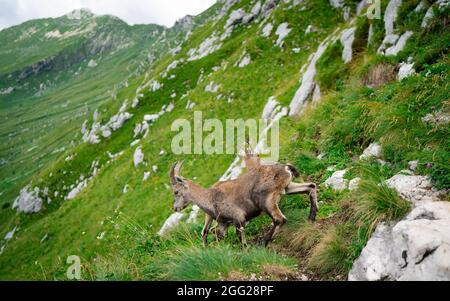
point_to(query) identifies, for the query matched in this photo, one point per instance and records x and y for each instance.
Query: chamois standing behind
(238, 201)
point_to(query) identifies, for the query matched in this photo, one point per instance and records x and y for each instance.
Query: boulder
(372, 151)
(415, 249)
(416, 189)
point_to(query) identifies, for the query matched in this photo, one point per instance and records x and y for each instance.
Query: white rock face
(400, 45)
(235, 18)
(337, 3)
(190, 105)
(428, 16)
(308, 83)
(212, 87)
(309, 29)
(151, 117)
(207, 47)
(316, 94)
(421, 6)
(138, 156)
(337, 181)
(282, 32)
(171, 222)
(347, 38)
(390, 15)
(28, 201)
(440, 118)
(416, 189)
(372, 151)
(75, 191)
(416, 248)
(154, 86)
(269, 107)
(267, 30)
(406, 70)
(6, 91)
(244, 61)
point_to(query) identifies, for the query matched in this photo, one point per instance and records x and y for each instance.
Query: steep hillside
(358, 101)
(55, 72)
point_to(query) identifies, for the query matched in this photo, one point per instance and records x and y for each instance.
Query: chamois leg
(278, 219)
(306, 188)
(241, 235)
(205, 231)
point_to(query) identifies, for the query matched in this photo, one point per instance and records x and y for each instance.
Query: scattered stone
(309, 29)
(406, 69)
(416, 189)
(92, 64)
(412, 165)
(401, 43)
(212, 87)
(372, 151)
(282, 32)
(267, 30)
(138, 156)
(28, 201)
(440, 118)
(337, 181)
(354, 184)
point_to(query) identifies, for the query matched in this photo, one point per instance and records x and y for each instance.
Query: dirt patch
(380, 74)
(269, 272)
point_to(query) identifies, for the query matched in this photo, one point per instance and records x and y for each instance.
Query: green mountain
(87, 105)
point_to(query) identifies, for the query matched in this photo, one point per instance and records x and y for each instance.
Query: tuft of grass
(217, 262)
(375, 202)
(330, 254)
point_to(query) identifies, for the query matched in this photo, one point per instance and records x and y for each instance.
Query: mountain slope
(106, 206)
(56, 71)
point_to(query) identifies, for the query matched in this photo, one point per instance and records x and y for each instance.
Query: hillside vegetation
(93, 198)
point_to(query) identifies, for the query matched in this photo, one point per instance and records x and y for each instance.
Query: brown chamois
(236, 202)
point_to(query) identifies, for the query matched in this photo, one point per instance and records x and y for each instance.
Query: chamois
(236, 202)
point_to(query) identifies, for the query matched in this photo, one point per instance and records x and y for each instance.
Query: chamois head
(250, 158)
(179, 187)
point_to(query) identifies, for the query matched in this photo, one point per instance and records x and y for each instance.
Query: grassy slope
(38, 127)
(131, 250)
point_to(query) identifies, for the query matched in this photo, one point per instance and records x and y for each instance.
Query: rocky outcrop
(416, 189)
(416, 248)
(347, 38)
(337, 181)
(406, 69)
(28, 201)
(372, 151)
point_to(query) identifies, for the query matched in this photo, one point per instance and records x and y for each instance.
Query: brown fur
(238, 201)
